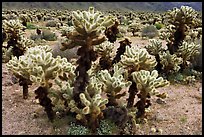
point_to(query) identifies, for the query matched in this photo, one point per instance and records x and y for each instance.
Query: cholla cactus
(13, 28)
(17, 44)
(88, 28)
(92, 105)
(170, 63)
(187, 51)
(147, 82)
(134, 27)
(114, 84)
(136, 59)
(182, 19)
(38, 66)
(105, 50)
(189, 80)
(88, 24)
(154, 48)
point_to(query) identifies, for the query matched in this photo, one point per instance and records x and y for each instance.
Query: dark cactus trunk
(24, 82)
(178, 37)
(111, 33)
(87, 55)
(121, 50)
(132, 92)
(142, 104)
(45, 101)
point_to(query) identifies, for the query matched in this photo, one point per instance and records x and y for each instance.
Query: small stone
(35, 115)
(21, 133)
(160, 101)
(14, 79)
(159, 130)
(153, 129)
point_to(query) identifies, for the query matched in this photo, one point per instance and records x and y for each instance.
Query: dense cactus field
(88, 72)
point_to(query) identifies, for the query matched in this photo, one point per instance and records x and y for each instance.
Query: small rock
(21, 133)
(160, 101)
(35, 115)
(14, 79)
(8, 83)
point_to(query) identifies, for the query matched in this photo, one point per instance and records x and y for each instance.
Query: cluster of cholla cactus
(155, 48)
(16, 42)
(182, 19)
(92, 87)
(147, 82)
(89, 26)
(170, 63)
(114, 84)
(135, 59)
(105, 51)
(38, 66)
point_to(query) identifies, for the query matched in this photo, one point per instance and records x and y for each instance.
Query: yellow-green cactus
(88, 24)
(114, 84)
(147, 82)
(38, 66)
(88, 32)
(155, 47)
(13, 28)
(170, 63)
(93, 104)
(136, 59)
(187, 51)
(105, 51)
(16, 42)
(183, 19)
(184, 15)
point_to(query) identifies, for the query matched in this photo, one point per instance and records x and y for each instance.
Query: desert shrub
(35, 37)
(51, 23)
(158, 26)
(106, 127)
(77, 130)
(30, 26)
(48, 35)
(150, 31)
(69, 54)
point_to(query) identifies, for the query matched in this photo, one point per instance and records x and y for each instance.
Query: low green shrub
(30, 26)
(158, 26)
(48, 35)
(150, 31)
(75, 129)
(51, 23)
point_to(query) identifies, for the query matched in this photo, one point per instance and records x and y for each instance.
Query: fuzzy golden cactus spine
(89, 26)
(182, 19)
(147, 82)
